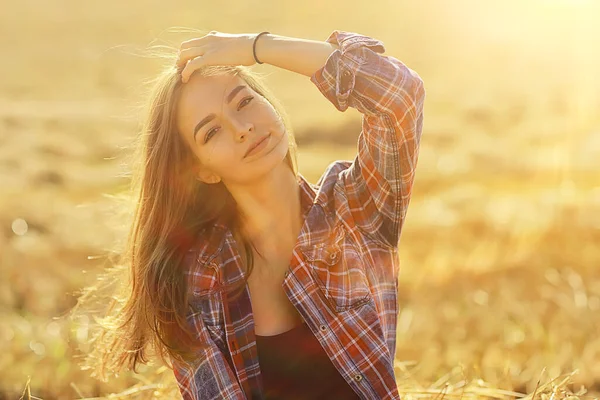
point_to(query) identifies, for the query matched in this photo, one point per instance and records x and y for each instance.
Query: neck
(270, 207)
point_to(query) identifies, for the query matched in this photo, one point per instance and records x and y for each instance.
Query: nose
(241, 128)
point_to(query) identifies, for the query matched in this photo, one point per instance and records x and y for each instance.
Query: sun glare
(569, 2)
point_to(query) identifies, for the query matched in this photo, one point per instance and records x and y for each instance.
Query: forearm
(303, 56)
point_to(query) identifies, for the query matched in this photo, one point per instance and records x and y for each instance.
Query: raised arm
(378, 183)
(303, 56)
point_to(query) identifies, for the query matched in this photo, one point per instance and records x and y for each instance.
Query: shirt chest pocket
(339, 272)
(208, 310)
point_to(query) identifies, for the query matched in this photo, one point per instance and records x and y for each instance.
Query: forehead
(203, 95)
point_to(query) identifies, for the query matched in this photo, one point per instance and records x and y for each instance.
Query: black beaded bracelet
(254, 47)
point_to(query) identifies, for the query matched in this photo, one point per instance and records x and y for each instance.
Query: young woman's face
(220, 117)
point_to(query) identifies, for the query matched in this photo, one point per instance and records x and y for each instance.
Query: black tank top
(294, 366)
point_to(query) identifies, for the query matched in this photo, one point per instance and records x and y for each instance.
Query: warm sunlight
(591, 6)
(498, 290)
(571, 2)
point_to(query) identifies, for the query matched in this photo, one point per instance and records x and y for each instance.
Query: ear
(210, 180)
(206, 176)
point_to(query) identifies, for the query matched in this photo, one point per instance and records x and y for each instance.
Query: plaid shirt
(343, 274)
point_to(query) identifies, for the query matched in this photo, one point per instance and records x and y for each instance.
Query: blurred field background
(500, 278)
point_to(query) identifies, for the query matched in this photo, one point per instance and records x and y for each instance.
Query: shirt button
(323, 328)
(358, 377)
(286, 273)
(346, 75)
(333, 256)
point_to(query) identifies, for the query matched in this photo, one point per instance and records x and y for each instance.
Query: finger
(188, 54)
(196, 42)
(189, 69)
(190, 43)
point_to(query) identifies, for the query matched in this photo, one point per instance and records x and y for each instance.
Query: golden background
(500, 253)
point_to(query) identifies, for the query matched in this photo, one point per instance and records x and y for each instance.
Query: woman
(220, 197)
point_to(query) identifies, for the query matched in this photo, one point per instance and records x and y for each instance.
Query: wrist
(258, 37)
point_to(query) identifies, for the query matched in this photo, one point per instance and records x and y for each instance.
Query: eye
(208, 134)
(242, 104)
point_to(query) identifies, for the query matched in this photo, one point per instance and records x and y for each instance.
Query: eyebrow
(210, 117)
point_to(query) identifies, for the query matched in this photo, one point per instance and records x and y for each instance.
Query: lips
(255, 144)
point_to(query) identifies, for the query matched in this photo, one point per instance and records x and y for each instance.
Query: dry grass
(500, 289)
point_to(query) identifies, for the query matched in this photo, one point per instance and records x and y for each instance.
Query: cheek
(222, 154)
(274, 124)
(265, 115)
(279, 123)
(282, 133)
(214, 155)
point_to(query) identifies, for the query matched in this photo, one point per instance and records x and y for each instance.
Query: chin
(258, 167)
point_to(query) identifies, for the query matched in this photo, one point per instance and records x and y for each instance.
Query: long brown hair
(146, 287)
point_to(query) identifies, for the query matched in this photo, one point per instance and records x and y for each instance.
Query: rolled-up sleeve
(378, 184)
